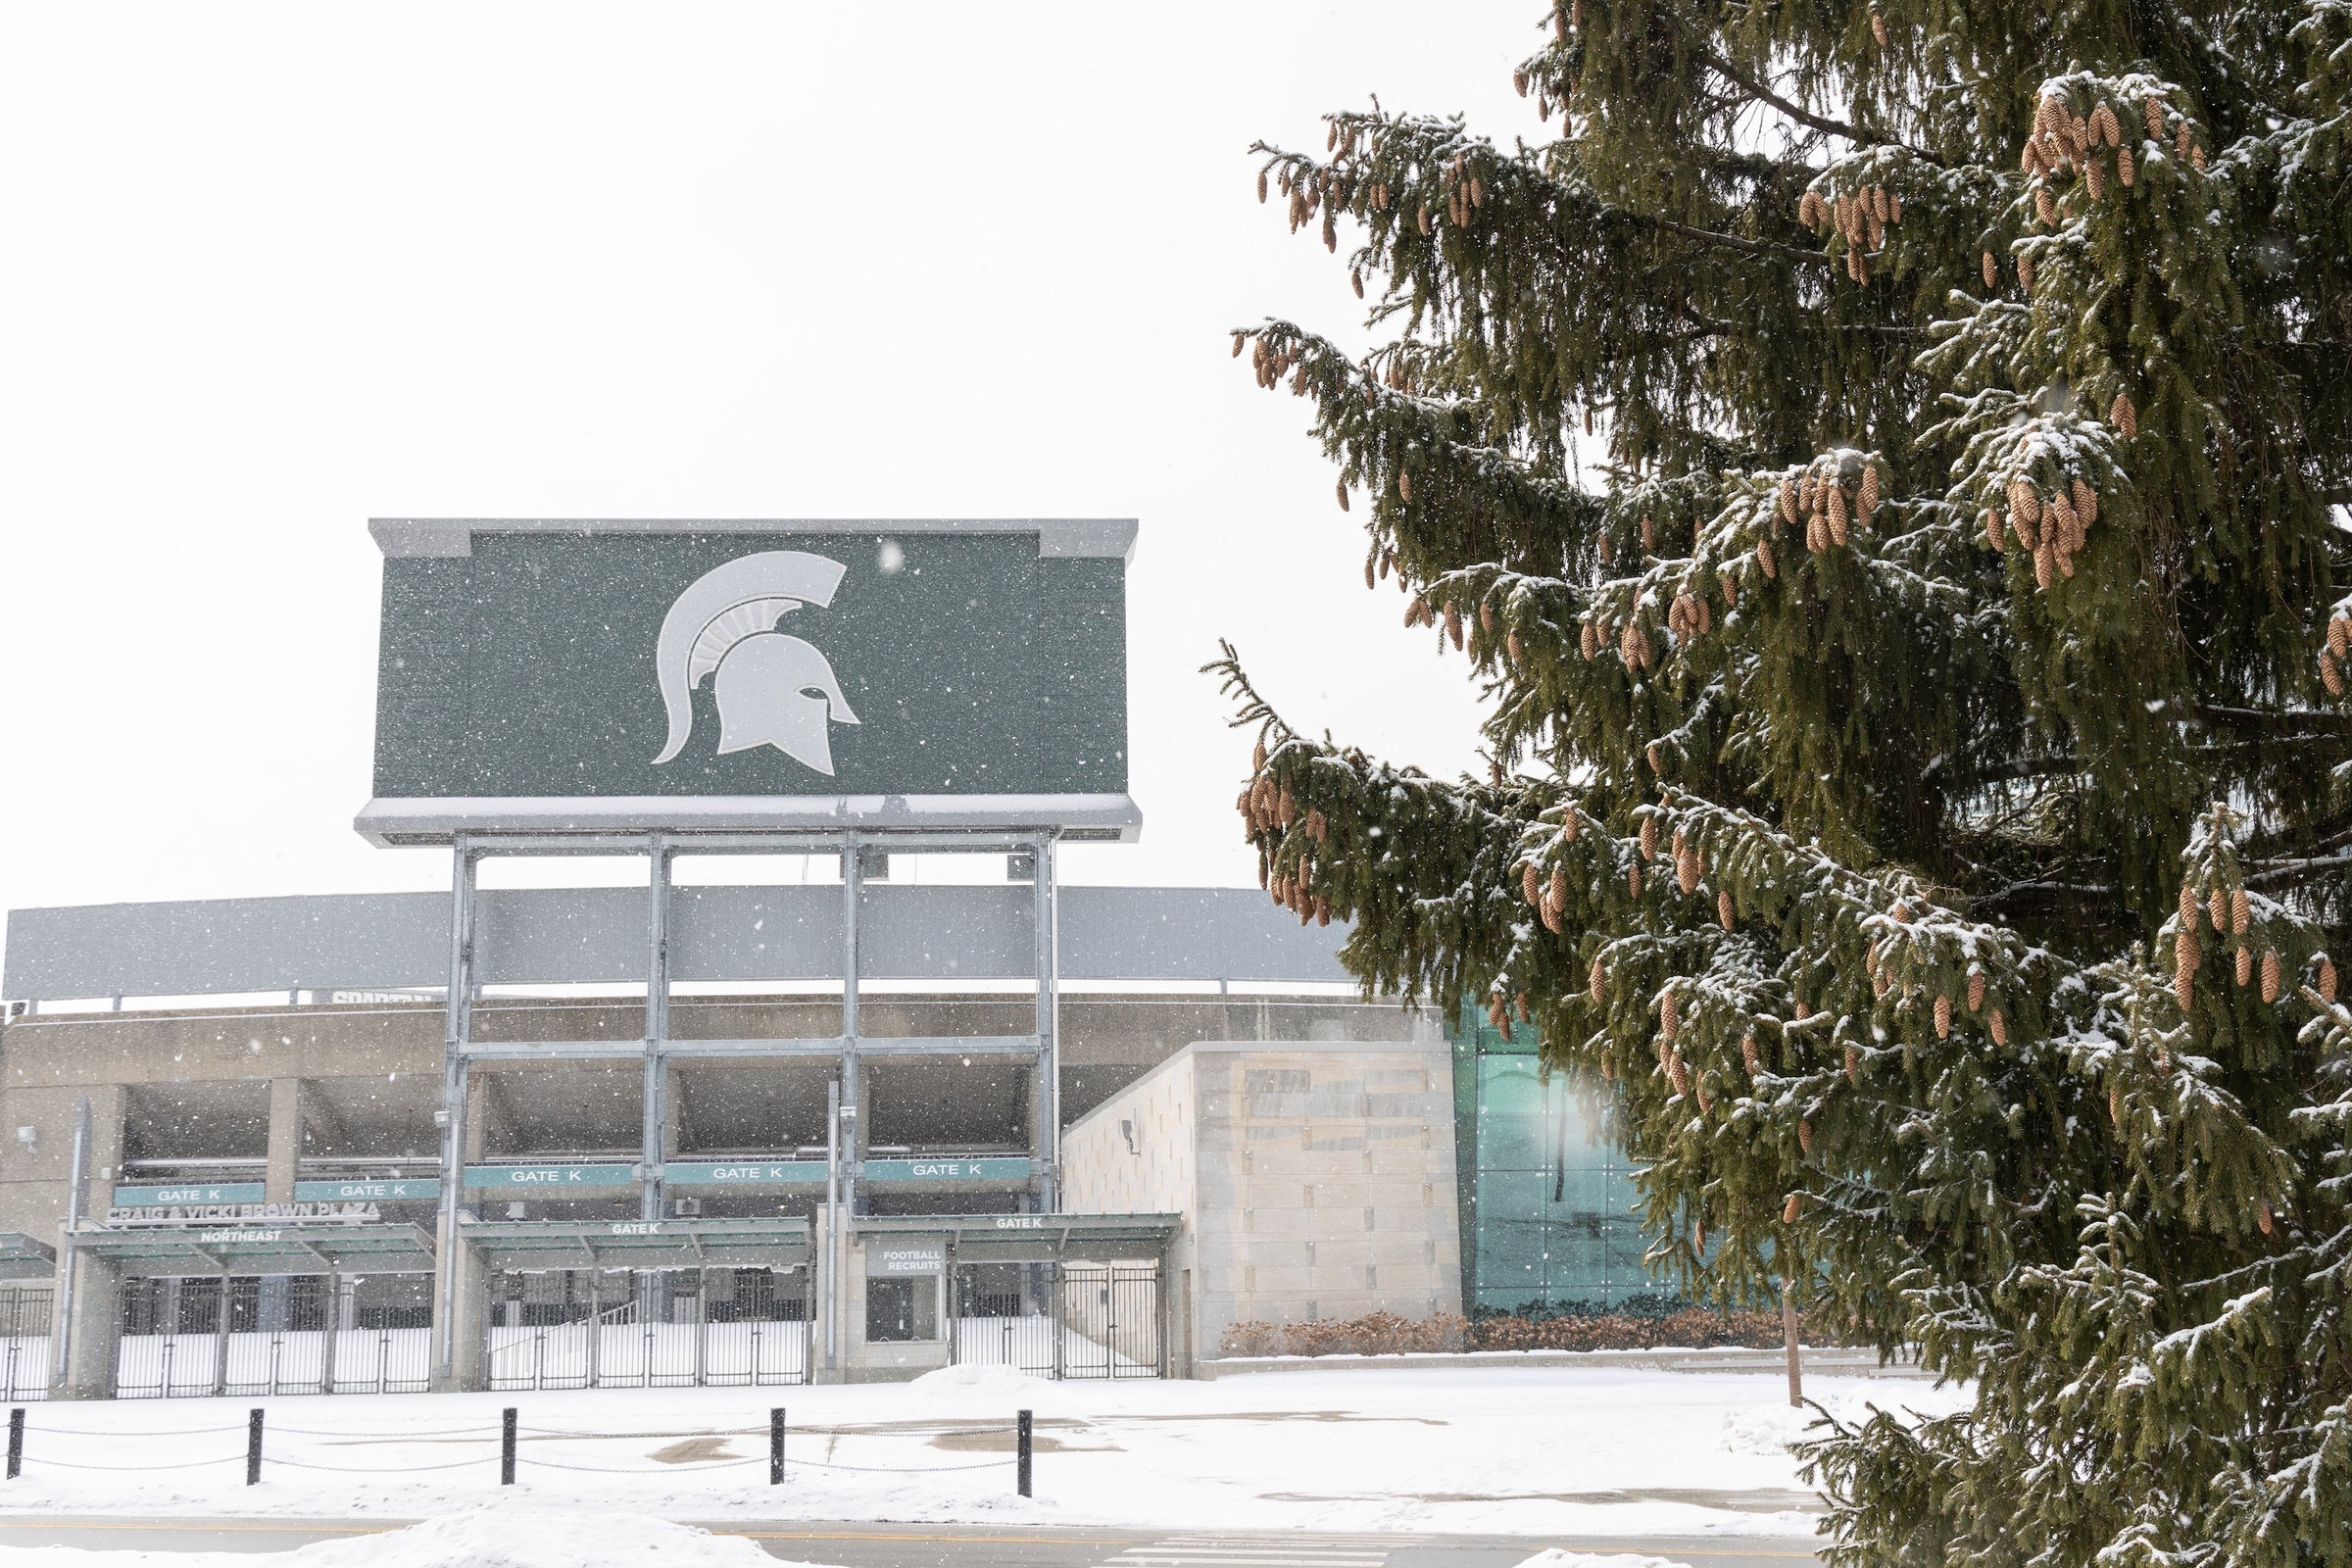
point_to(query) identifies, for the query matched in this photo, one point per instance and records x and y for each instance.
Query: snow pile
(480, 1538)
(1765, 1428)
(1003, 1382)
(1561, 1557)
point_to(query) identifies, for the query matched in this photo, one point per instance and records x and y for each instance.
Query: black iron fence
(200, 1336)
(1061, 1320)
(647, 1328)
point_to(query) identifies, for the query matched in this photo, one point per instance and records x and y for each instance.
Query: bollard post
(775, 1447)
(253, 1449)
(506, 1447)
(16, 1442)
(1020, 1463)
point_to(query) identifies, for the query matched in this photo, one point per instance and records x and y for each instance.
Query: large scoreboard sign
(558, 675)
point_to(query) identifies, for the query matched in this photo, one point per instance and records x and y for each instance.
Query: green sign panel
(647, 665)
(551, 1178)
(993, 1169)
(743, 1172)
(402, 1190)
(187, 1193)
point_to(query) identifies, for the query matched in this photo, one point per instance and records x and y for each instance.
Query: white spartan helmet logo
(772, 690)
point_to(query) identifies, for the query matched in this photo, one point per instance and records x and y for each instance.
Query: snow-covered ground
(1590, 1451)
(477, 1537)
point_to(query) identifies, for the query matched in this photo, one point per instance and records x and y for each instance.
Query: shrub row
(1386, 1334)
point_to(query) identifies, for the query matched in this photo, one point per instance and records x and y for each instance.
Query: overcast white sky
(269, 271)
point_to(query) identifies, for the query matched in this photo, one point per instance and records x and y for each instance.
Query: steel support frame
(847, 1134)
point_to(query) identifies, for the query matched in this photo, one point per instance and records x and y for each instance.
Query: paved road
(913, 1546)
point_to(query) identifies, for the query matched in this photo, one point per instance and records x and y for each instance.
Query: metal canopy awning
(151, 1251)
(529, 1246)
(25, 1258)
(1035, 1237)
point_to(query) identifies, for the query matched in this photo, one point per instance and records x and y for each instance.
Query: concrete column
(285, 1140)
(92, 1325)
(824, 1298)
(461, 1280)
(110, 1108)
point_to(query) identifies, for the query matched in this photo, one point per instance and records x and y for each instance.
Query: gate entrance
(25, 1341)
(632, 1328)
(183, 1336)
(1060, 1319)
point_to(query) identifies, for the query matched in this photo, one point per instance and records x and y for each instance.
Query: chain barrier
(118, 1469)
(254, 1457)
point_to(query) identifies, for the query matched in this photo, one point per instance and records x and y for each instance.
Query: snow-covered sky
(269, 269)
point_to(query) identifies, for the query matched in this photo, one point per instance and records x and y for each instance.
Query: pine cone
(2125, 168)
(1837, 515)
(2123, 417)
(2154, 108)
(2270, 974)
(1723, 907)
(1598, 982)
(2241, 911)
(1868, 503)
(2332, 674)
(1559, 887)
(1570, 824)
(2000, 1026)
(1678, 1074)
(1788, 501)
(1804, 1135)
(1649, 838)
(1789, 1209)
(1992, 273)
(1649, 536)
(2115, 1103)
(2188, 906)
(1658, 765)
(2044, 564)
(2095, 179)
(2044, 207)
(1817, 533)
(2245, 966)
(1943, 1016)
(2086, 502)
(1633, 881)
(1853, 1065)
(1588, 641)
(2328, 981)
(1878, 29)
(1764, 558)
(1992, 529)
(2339, 635)
(1454, 625)
(1686, 872)
(2217, 910)
(2196, 158)
(2262, 1217)
(1404, 486)
(2024, 273)
(1808, 209)
(1748, 1055)
(1731, 589)
(1976, 991)
(2104, 126)
(1531, 884)
(1670, 1014)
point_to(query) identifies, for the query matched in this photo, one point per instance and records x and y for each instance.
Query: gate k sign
(772, 690)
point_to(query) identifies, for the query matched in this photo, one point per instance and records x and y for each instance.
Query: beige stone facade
(1316, 1179)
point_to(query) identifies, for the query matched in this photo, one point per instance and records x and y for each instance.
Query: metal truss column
(656, 1027)
(449, 1244)
(1045, 1112)
(853, 1074)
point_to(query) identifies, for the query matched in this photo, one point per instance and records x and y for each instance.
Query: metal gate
(647, 1328)
(1061, 1320)
(24, 1342)
(197, 1335)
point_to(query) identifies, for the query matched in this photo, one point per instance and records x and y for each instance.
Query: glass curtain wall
(1550, 1227)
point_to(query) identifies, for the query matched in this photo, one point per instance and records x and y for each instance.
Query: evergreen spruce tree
(1886, 465)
